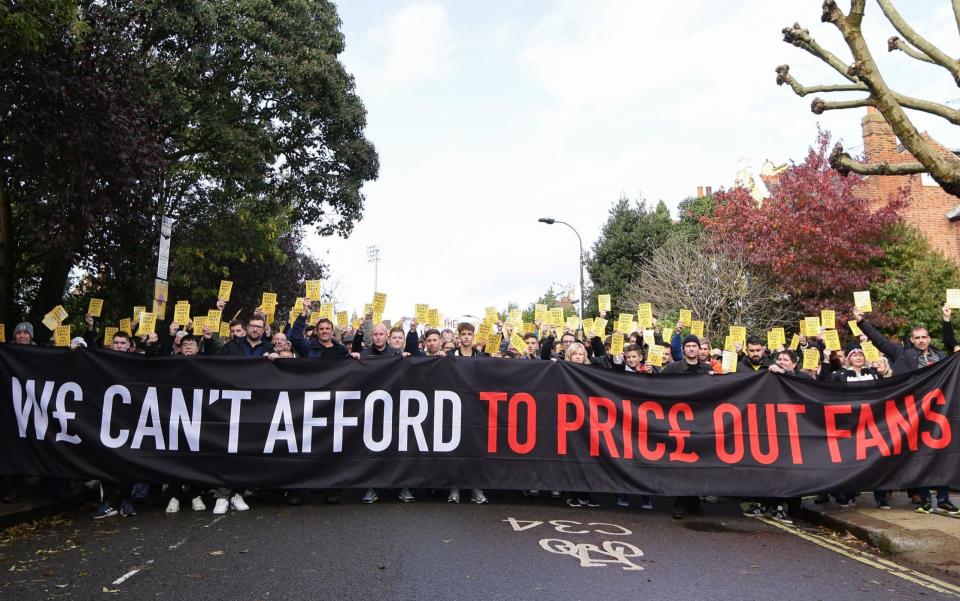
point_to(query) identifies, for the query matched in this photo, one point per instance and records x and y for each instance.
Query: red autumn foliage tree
(815, 235)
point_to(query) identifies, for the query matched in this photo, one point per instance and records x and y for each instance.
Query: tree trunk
(56, 269)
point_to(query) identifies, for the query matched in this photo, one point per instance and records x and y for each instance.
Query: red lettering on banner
(492, 398)
(565, 426)
(868, 435)
(721, 436)
(512, 430)
(793, 431)
(937, 418)
(681, 435)
(659, 449)
(604, 427)
(626, 414)
(830, 413)
(753, 427)
(899, 426)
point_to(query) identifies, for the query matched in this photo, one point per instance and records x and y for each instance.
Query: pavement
(515, 547)
(925, 540)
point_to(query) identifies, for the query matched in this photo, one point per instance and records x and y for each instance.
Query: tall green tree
(630, 235)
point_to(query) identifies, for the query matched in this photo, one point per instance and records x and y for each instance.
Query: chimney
(699, 191)
(709, 190)
(879, 141)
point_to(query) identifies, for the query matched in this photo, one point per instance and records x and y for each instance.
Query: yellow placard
(812, 325)
(226, 287)
(781, 335)
(650, 337)
(3, 332)
(327, 310)
(600, 326)
(729, 344)
(54, 317)
(95, 308)
(616, 343)
(625, 323)
(573, 323)
(137, 311)
(645, 316)
(540, 313)
(655, 355)
(728, 364)
(516, 316)
(181, 313)
(483, 332)
(696, 328)
(556, 317)
(199, 321)
(832, 340)
(953, 298)
(50, 322)
(268, 303)
(60, 313)
(148, 323)
(108, 334)
(795, 342)
(870, 352)
(125, 325)
(861, 300)
(490, 314)
(603, 302)
(342, 319)
(529, 328)
(517, 342)
(313, 289)
(379, 302)
(803, 328)
(739, 334)
(493, 343)
(686, 316)
(666, 334)
(828, 319)
(214, 316)
(854, 327)
(433, 317)
(422, 313)
(224, 329)
(61, 336)
(811, 358)
(773, 341)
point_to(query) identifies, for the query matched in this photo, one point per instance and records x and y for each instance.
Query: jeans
(943, 494)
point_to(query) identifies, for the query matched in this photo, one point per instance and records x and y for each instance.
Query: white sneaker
(454, 496)
(197, 504)
(477, 496)
(237, 502)
(370, 496)
(174, 505)
(221, 507)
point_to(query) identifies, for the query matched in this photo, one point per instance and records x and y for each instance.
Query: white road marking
(129, 574)
(870, 559)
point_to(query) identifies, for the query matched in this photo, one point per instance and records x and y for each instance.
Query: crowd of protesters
(683, 353)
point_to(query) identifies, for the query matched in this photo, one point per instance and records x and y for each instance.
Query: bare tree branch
(718, 287)
(921, 43)
(856, 11)
(784, 77)
(819, 105)
(845, 164)
(956, 12)
(800, 38)
(895, 43)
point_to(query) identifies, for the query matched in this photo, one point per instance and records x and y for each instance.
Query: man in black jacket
(903, 359)
(324, 346)
(690, 363)
(755, 358)
(253, 344)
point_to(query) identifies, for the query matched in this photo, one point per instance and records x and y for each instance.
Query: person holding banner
(178, 492)
(323, 346)
(575, 352)
(465, 348)
(253, 344)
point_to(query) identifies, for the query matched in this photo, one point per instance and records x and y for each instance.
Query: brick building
(931, 210)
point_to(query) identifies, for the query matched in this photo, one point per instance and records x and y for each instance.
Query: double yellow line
(869, 559)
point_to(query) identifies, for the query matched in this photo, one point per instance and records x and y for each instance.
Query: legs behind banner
(684, 505)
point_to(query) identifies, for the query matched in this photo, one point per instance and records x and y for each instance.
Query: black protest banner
(486, 423)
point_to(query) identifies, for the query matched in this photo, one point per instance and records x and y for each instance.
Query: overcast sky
(489, 115)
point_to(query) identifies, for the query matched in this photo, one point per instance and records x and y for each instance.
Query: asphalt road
(432, 550)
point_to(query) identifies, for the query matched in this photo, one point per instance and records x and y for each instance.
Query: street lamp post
(373, 256)
(550, 221)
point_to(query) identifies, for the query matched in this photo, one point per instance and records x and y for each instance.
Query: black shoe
(821, 499)
(948, 507)
(679, 509)
(925, 508)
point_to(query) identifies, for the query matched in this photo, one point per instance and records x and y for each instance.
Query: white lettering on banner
(414, 422)
(235, 397)
(340, 420)
(439, 445)
(62, 415)
(108, 440)
(368, 408)
(149, 412)
(309, 421)
(24, 407)
(179, 418)
(282, 414)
